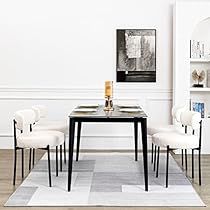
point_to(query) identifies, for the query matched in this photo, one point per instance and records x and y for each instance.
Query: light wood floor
(6, 187)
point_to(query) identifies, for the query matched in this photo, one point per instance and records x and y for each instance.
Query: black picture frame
(136, 55)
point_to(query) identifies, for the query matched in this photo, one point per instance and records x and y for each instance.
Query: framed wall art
(136, 55)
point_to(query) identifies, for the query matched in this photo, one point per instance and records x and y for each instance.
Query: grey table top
(100, 113)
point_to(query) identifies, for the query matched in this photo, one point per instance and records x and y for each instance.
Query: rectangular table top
(100, 113)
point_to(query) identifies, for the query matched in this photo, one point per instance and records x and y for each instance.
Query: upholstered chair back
(176, 112)
(37, 113)
(24, 118)
(42, 110)
(191, 118)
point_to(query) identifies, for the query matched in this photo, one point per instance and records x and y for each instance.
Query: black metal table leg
(144, 147)
(71, 150)
(136, 139)
(78, 139)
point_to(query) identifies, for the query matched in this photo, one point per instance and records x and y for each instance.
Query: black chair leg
(186, 159)
(33, 160)
(64, 149)
(167, 162)
(182, 157)
(158, 156)
(155, 158)
(152, 153)
(192, 163)
(199, 165)
(22, 150)
(60, 157)
(29, 164)
(15, 164)
(56, 160)
(49, 168)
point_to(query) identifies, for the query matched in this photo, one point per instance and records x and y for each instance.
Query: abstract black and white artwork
(136, 55)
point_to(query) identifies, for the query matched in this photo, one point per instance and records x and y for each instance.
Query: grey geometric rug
(106, 179)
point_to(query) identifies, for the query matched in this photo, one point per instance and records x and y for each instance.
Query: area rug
(106, 179)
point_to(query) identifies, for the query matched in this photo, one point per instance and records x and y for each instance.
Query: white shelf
(194, 89)
(199, 60)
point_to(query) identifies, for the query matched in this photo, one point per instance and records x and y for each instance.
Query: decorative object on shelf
(136, 55)
(198, 76)
(208, 78)
(108, 96)
(198, 107)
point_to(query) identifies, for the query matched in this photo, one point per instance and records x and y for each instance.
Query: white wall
(59, 53)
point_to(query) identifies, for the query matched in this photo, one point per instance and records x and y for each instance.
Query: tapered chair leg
(29, 164)
(49, 167)
(56, 160)
(64, 149)
(192, 163)
(155, 158)
(60, 157)
(22, 151)
(167, 162)
(158, 155)
(199, 165)
(186, 159)
(152, 153)
(15, 164)
(182, 157)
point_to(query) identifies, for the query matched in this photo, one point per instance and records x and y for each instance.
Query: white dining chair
(43, 124)
(156, 128)
(179, 140)
(26, 138)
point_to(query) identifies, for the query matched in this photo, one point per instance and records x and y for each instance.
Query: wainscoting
(60, 102)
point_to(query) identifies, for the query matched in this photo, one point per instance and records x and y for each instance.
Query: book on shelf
(198, 107)
(197, 49)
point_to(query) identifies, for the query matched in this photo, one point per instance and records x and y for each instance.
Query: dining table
(119, 114)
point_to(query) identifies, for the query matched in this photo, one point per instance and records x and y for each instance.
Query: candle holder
(108, 104)
(108, 96)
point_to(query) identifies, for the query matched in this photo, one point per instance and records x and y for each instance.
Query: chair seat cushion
(40, 139)
(153, 129)
(51, 125)
(176, 140)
